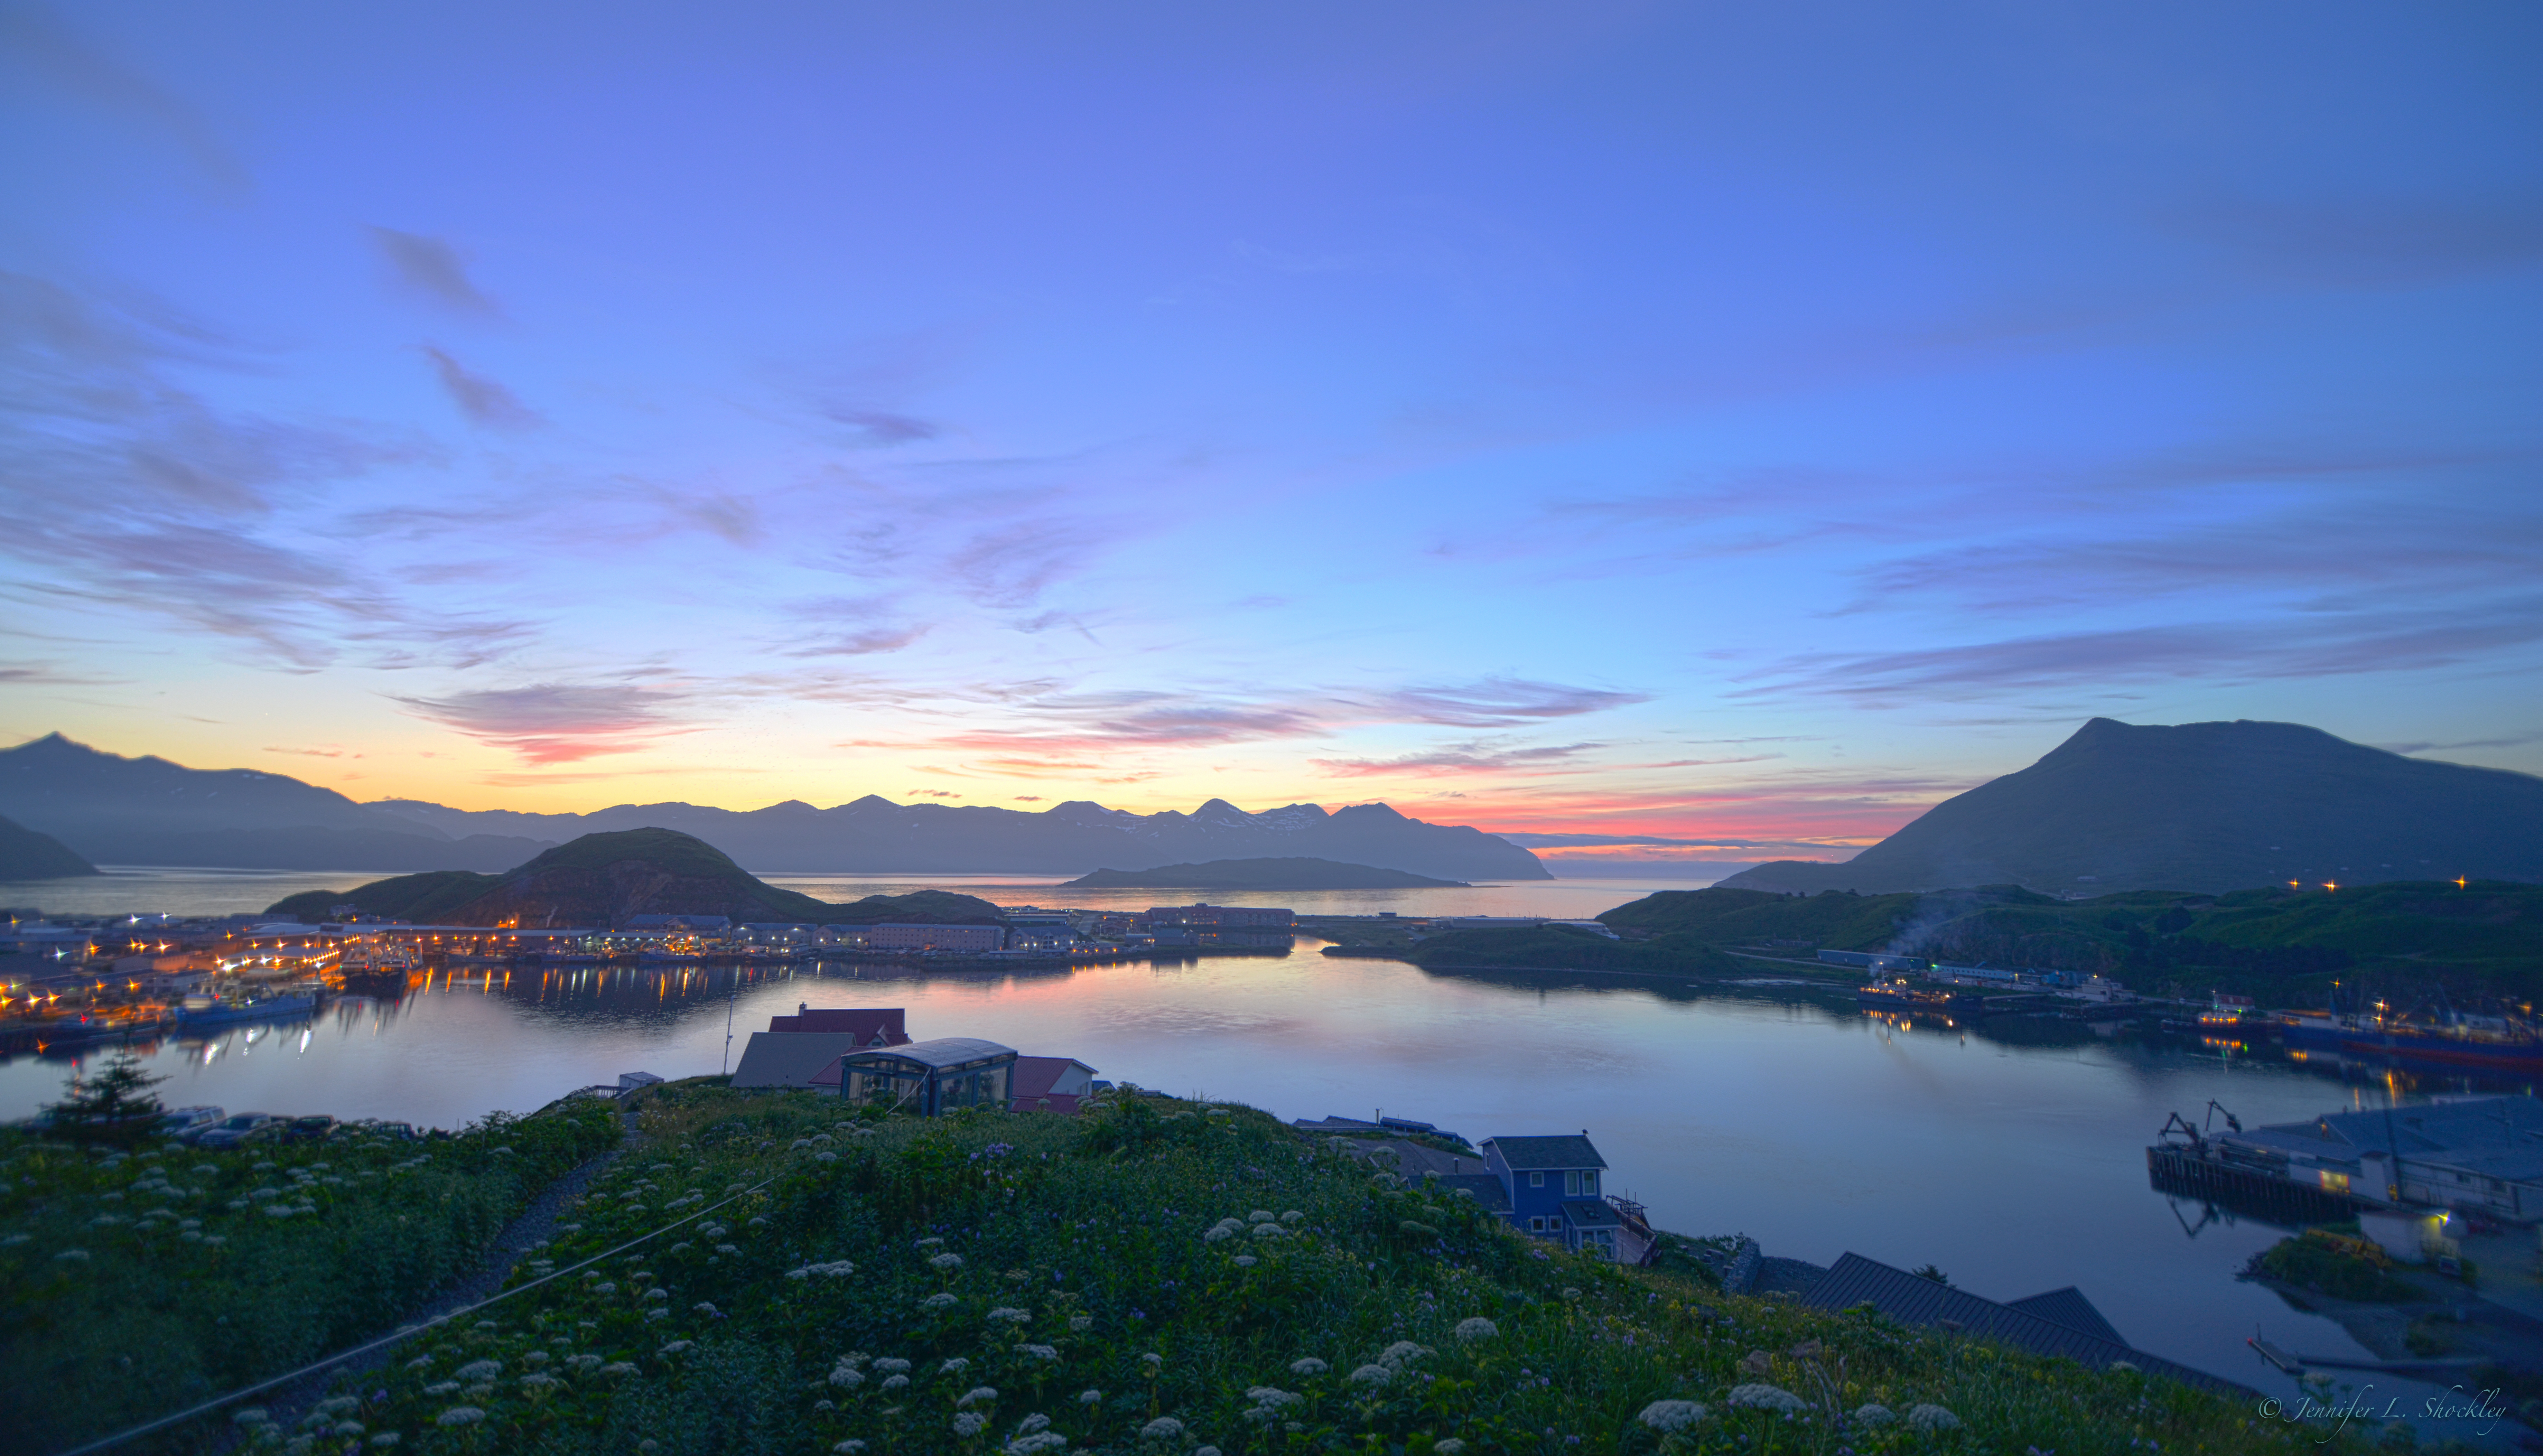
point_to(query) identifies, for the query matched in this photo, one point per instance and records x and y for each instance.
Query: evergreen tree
(106, 1104)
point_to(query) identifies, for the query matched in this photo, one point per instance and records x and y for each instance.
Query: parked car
(372, 1127)
(179, 1121)
(230, 1133)
(308, 1129)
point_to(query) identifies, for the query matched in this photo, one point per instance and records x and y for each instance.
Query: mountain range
(28, 855)
(120, 810)
(2203, 807)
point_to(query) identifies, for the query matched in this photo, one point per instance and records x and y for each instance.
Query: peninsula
(1292, 872)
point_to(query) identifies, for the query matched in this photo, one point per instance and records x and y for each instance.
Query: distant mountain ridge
(150, 811)
(120, 810)
(600, 881)
(2202, 806)
(1294, 872)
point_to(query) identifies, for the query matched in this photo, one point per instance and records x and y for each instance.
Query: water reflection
(2010, 1151)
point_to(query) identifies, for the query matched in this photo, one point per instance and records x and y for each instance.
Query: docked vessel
(199, 1012)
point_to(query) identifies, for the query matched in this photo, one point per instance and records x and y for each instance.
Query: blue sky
(1739, 426)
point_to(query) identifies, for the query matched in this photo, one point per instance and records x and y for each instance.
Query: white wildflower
(76, 1256)
(1274, 1395)
(1204, 1451)
(1009, 1312)
(420, 1362)
(1163, 1429)
(937, 1301)
(946, 1262)
(977, 1395)
(460, 1415)
(848, 1448)
(1246, 1261)
(894, 1382)
(1873, 1415)
(929, 1244)
(618, 1367)
(1308, 1367)
(953, 1366)
(1078, 1323)
(481, 1370)
(893, 1367)
(1402, 1352)
(1670, 1415)
(250, 1415)
(1293, 1216)
(847, 1378)
(386, 1439)
(1034, 1444)
(674, 1348)
(1931, 1419)
(1477, 1328)
(440, 1387)
(1269, 1231)
(1759, 1397)
(1090, 1397)
(1371, 1376)
(969, 1423)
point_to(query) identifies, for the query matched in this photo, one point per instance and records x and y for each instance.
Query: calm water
(1764, 1110)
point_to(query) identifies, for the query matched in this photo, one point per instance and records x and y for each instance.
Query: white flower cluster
(1269, 1401)
(1476, 1329)
(1308, 1367)
(1163, 1429)
(1760, 1397)
(978, 1395)
(1402, 1353)
(946, 1262)
(1874, 1414)
(481, 1370)
(1931, 1419)
(837, 1268)
(1038, 1352)
(938, 1301)
(1671, 1415)
(1010, 1313)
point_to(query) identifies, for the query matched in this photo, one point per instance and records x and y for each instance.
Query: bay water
(2014, 1163)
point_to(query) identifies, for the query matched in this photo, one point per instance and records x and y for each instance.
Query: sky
(1693, 431)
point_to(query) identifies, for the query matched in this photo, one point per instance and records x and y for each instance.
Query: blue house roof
(1540, 1153)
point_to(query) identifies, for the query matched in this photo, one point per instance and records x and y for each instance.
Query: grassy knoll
(1161, 1278)
(2402, 940)
(134, 1284)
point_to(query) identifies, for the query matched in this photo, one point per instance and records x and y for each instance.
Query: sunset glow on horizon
(1695, 432)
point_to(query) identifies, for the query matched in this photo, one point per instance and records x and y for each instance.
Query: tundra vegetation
(1156, 1277)
(138, 1282)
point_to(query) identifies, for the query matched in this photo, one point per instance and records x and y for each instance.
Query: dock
(2194, 1173)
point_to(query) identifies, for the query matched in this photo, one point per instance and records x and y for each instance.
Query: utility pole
(733, 996)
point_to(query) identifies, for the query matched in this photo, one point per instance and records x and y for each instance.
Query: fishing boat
(2458, 1044)
(199, 1012)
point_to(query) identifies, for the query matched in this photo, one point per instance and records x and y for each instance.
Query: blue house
(1552, 1184)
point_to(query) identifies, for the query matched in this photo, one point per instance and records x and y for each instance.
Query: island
(1275, 874)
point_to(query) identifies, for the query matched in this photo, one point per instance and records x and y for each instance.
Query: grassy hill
(1161, 1277)
(601, 880)
(2401, 939)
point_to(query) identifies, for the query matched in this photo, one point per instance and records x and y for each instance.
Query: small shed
(790, 1058)
(929, 1077)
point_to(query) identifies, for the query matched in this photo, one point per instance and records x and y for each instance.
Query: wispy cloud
(53, 56)
(485, 401)
(1498, 702)
(1471, 758)
(433, 270)
(558, 722)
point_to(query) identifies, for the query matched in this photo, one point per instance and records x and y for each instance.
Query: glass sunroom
(929, 1077)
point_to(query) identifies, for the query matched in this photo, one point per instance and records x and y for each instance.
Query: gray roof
(790, 1058)
(2501, 1136)
(1530, 1154)
(1912, 1299)
(943, 1052)
(1486, 1186)
(2068, 1307)
(1591, 1213)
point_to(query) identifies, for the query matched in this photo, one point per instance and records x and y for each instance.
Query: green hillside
(2404, 939)
(603, 879)
(428, 898)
